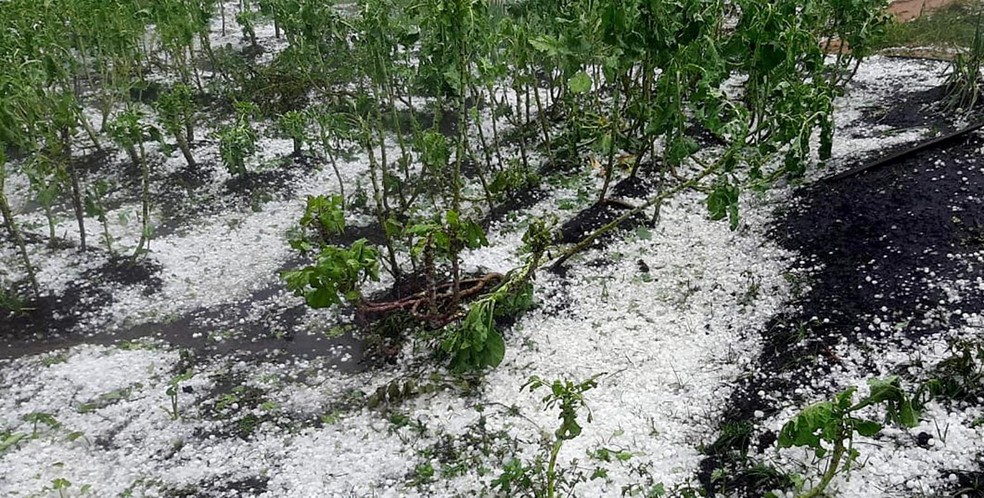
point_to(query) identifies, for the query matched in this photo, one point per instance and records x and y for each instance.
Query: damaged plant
(338, 272)
(828, 428)
(238, 140)
(525, 479)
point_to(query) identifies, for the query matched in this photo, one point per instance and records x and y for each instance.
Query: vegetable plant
(95, 205)
(173, 388)
(247, 19)
(238, 140)
(568, 397)
(47, 181)
(829, 427)
(129, 130)
(12, 228)
(176, 110)
(337, 272)
(333, 130)
(293, 125)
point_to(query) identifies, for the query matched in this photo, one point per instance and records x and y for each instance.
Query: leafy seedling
(835, 423)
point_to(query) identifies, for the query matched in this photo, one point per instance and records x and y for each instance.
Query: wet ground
(874, 245)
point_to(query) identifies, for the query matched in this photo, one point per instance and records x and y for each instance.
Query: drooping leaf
(322, 297)
(546, 44)
(495, 349)
(866, 428)
(723, 202)
(802, 429)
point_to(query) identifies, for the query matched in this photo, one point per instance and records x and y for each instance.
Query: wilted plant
(829, 427)
(293, 125)
(238, 140)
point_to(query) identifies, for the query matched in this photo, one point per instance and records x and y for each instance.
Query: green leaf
(723, 202)
(546, 44)
(580, 83)
(623, 456)
(453, 218)
(11, 441)
(802, 429)
(495, 349)
(452, 77)
(908, 415)
(321, 298)
(866, 428)
(886, 389)
(473, 235)
(72, 436)
(421, 229)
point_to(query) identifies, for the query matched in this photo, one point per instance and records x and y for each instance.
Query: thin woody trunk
(185, 149)
(144, 245)
(382, 211)
(8, 218)
(73, 174)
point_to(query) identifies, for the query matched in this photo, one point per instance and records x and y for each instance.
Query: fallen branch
(468, 288)
(655, 201)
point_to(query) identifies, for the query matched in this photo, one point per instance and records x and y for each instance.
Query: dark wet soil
(128, 272)
(968, 484)
(601, 214)
(251, 486)
(920, 108)
(872, 246)
(182, 195)
(255, 326)
(50, 319)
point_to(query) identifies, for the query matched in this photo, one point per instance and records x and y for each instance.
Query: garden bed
(194, 371)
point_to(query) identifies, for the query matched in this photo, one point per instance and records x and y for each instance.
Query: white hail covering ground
(669, 344)
(893, 464)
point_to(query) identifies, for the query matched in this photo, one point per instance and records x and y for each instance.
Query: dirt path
(907, 10)
(891, 244)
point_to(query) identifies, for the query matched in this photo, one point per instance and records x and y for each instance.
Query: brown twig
(441, 293)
